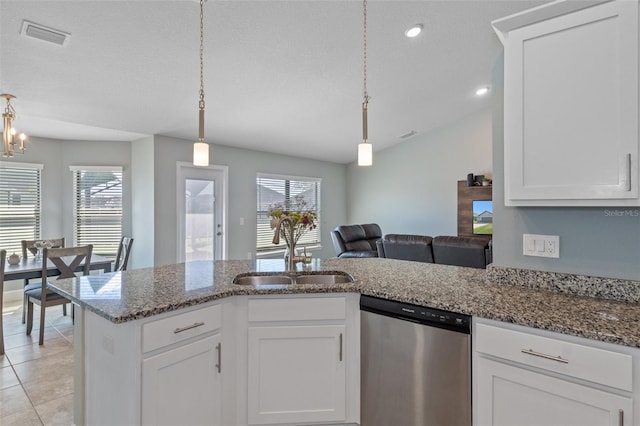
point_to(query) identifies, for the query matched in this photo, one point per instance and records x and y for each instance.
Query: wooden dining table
(32, 268)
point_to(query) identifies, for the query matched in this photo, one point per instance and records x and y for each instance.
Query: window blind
(20, 200)
(98, 208)
(273, 189)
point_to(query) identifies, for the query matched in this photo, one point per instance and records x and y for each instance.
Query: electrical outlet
(541, 245)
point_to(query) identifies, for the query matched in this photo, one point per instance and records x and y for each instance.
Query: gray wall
(142, 195)
(412, 187)
(243, 166)
(603, 242)
(57, 180)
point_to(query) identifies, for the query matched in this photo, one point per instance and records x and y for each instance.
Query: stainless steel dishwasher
(416, 365)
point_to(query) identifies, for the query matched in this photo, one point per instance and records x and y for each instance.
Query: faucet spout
(276, 240)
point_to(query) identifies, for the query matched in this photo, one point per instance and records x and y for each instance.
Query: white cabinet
(571, 104)
(296, 374)
(303, 360)
(182, 384)
(163, 370)
(544, 379)
(511, 395)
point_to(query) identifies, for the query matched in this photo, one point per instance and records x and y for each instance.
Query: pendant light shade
(201, 154)
(365, 154)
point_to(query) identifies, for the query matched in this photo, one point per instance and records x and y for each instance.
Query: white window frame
(107, 244)
(264, 249)
(11, 241)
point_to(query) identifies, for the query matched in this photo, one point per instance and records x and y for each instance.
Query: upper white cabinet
(571, 104)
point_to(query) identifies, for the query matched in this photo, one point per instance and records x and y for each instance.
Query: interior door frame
(220, 203)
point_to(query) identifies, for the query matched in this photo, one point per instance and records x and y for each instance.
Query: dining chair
(122, 258)
(29, 246)
(3, 257)
(67, 261)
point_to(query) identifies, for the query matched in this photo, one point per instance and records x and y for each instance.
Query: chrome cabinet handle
(628, 172)
(340, 354)
(189, 327)
(545, 356)
(621, 417)
(219, 352)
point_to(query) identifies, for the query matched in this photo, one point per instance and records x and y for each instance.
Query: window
(97, 208)
(19, 204)
(274, 189)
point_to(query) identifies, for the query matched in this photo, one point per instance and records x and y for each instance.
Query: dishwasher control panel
(425, 315)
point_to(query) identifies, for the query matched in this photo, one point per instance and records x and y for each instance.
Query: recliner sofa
(474, 252)
(356, 240)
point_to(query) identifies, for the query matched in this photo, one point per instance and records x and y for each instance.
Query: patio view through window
(97, 193)
(19, 205)
(273, 189)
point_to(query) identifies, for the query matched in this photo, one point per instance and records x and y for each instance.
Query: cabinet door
(182, 386)
(296, 374)
(571, 109)
(509, 396)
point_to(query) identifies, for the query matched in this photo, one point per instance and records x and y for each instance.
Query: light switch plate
(541, 245)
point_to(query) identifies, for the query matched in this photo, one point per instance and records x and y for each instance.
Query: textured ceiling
(280, 76)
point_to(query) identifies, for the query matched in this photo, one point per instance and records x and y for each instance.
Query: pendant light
(201, 148)
(365, 150)
(8, 131)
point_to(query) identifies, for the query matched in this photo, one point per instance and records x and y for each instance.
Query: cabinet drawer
(584, 362)
(179, 327)
(285, 309)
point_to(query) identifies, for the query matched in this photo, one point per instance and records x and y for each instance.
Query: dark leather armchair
(406, 247)
(356, 240)
(462, 251)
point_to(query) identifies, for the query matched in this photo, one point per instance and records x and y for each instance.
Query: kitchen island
(127, 302)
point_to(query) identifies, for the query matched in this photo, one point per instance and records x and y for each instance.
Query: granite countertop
(141, 293)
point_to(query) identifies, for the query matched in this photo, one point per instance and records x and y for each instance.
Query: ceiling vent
(40, 32)
(409, 134)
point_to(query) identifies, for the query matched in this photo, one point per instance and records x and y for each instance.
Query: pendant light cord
(365, 94)
(201, 100)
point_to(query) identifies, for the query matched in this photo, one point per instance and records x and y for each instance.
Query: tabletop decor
(292, 219)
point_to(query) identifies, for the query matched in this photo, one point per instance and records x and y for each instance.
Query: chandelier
(9, 132)
(365, 150)
(200, 147)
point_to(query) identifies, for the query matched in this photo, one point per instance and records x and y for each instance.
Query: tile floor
(36, 382)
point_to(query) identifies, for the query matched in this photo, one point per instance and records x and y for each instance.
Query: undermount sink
(323, 279)
(306, 278)
(262, 279)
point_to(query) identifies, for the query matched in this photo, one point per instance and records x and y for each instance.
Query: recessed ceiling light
(482, 91)
(414, 31)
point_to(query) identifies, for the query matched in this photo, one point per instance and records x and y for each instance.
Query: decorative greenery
(301, 218)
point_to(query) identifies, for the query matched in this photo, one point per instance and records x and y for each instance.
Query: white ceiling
(280, 76)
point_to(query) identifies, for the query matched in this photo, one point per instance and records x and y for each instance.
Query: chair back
(29, 246)
(122, 258)
(67, 261)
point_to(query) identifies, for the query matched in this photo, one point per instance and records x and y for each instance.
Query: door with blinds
(201, 218)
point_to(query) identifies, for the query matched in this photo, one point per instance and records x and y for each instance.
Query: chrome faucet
(276, 240)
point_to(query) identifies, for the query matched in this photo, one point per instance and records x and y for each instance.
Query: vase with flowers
(291, 220)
